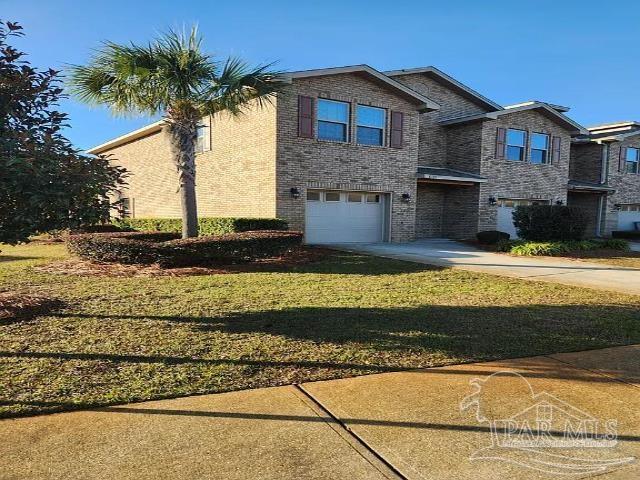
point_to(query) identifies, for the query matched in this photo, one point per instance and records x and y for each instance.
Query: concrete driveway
(449, 253)
(438, 423)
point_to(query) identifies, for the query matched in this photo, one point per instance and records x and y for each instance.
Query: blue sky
(582, 54)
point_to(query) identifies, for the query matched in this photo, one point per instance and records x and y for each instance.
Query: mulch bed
(76, 266)
(14, 306)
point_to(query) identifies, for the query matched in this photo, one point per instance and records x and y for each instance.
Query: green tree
(173, 77)
(45, 184)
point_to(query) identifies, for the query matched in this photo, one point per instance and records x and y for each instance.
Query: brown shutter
(397, 125)
(623, 159)
(501, 142)
(556, 149)
(305, 116)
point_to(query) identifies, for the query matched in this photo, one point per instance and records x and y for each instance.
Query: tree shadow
(14, 258)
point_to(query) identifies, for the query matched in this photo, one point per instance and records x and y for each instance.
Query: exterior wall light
(295, 192)
(559, 202)
(492, 201)
(617, 207)
(406, 197)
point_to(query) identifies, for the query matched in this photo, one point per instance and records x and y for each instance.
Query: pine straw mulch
(76, 266)
(17, 306)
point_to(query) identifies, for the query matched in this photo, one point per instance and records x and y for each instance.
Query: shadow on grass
(395, 335)
(12, 258)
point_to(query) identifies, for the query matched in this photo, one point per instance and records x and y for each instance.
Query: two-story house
(352, 154)
(605, 172)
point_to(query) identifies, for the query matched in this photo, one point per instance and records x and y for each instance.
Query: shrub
(628, 234)
(167, 250)
(542, 223)
(524, 248)
(491, 237)
(206, 225)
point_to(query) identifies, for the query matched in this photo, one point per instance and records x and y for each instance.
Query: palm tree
(173, 77)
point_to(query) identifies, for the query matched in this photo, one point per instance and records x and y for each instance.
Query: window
(313, 195)
(202, 141)
(631, 163)
(332, 196)
(371, 122)
(373, 198)
(333, 120)
(539, 148)
(354, 197)
(631, 207)
(125, 207)
(516, 140)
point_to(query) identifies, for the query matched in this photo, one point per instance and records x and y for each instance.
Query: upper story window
(333, 120)
(631, 162)
(203, 140)
(371, 123)
(516, 142)
(539, 148)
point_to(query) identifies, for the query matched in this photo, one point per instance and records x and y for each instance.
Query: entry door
(628, 216)
(344, 217)
(506, 207)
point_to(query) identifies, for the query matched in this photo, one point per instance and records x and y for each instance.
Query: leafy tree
(45, 184)
(173, 77)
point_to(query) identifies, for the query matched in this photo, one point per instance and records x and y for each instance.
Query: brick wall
(304, 163)
(586, 162)
(510, 179)
(235, 178)
(627, 185)
(433, 137)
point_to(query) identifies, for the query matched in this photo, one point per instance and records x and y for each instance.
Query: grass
(129, 339)
(610, 257)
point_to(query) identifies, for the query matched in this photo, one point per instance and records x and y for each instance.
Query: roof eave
(423, 103)
(126, 138)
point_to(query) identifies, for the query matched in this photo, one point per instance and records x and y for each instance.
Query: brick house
(605, 174)
(351, 154)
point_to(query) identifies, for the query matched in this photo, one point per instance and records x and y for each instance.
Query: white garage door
(344, 217)
(506, 206)
(628, 216)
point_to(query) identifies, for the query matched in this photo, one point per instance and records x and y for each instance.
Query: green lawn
(611, 257)
(128, 339)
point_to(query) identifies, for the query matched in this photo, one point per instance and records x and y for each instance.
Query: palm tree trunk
(183, 137)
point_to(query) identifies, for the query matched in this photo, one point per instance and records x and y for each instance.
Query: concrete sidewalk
(449, 253)
(427, 424)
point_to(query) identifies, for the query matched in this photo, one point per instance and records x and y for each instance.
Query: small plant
(491, 237)
(615, 244)
(206, 225)
(524, 248)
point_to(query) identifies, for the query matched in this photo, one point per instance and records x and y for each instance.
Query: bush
(206, 225)
(628, 234)
(491, 237)
(524, 248)
(543, 223)
(167, 250)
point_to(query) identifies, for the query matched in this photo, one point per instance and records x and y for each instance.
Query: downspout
(604, 178)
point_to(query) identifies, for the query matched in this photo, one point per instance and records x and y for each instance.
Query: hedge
(628, 234)
(168, 250)
(491, 237)
(543, 223)
(206, 225)
(524, 248)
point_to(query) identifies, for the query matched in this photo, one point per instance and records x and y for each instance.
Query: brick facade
(305, 162)
(521, 180)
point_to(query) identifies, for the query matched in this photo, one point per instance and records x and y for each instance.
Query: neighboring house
(352, 154)
(606, 173)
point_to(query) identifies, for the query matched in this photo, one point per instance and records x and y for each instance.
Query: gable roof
(544, 108)
(127, 137)
(559, 108)
(611, 132)
(423, 103)
(452, 83)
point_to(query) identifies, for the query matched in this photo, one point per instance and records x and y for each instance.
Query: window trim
(523, 147)
(547, 151)
(636, 161)
(347, 124)
(383, 129)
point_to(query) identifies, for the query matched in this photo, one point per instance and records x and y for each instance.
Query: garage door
(506, 206)
(628, 216)
(344, 217)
